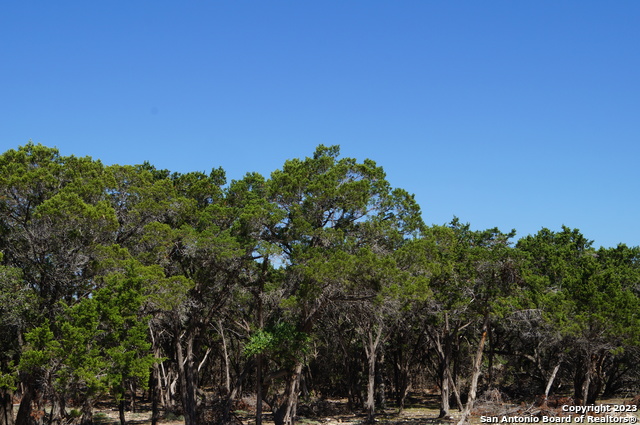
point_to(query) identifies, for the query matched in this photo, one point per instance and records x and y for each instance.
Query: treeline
(319, 281)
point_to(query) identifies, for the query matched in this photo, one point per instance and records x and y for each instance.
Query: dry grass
(421, 409)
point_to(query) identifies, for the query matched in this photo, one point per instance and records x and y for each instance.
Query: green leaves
(42, 349)
(99, 343)
(282, 342)
(577, 286)
(94, 255)
(588, 299)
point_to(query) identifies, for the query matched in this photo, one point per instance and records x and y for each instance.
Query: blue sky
(516, 114)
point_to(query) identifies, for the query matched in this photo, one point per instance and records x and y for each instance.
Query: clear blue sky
(516, 114)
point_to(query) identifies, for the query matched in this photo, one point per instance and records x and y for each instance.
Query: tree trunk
(371, 349)
(237, 389)
(381, 393)
(597, 377)
(586, 382)
(371, 401)
(132, 404)
(582, 380)
(6, 407)
(121, 408)
(87, 413)
(456, 393)
(589, 378)
(187, 378)
(476, 373)
(401, 376)
(155, 394)
(227, 380)
(259, 390)
(445, 394)
(490, 358)
(286, 412)
(57, 409)
(170, 381)
(159, 379)
(444, 374)
(550, 381)
(445, 358)
(24, 411)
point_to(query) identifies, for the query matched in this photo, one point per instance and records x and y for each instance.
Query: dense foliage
(319, 281)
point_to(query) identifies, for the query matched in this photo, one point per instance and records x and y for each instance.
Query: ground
(421, 409)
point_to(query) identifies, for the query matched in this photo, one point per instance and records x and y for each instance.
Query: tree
(329, 209)
(96, 345)
(471, 275)
(197, 245)
(496, 277)
(53, 216)
(589, 298)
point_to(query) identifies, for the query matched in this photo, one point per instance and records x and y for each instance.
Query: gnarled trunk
(589, 379)
(24, 411)
(285, 413)
(57, 409)
(87, 413)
